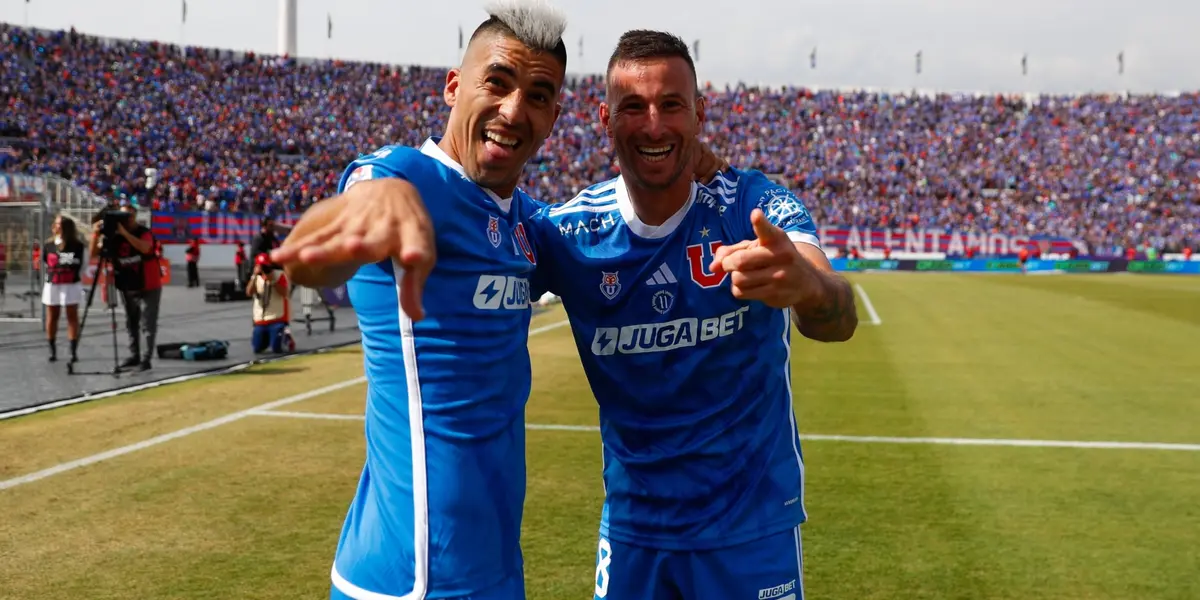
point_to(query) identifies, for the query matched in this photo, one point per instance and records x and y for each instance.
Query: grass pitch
(252, 508)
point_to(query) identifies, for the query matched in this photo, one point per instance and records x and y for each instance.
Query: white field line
(875, 320)
(268, 410)
(307, 415)
(154, 441)
(841, 438)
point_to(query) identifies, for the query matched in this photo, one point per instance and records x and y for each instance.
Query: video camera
(111, 218)
(263, 261)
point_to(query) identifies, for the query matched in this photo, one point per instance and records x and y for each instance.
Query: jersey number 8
(603, 559)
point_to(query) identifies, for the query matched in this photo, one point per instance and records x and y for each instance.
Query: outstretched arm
(371, 221)
(784, 274)
(827, 313)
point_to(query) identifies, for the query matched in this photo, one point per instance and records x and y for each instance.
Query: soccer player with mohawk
(439, 505)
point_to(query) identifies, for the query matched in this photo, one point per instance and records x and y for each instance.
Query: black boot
(132, 361)
(74, 349)
(53, 349)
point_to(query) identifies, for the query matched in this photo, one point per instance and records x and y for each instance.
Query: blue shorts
(512, 588)
(769, 568)
(273, 336)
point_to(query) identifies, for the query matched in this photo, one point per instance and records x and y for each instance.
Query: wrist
(812, 293)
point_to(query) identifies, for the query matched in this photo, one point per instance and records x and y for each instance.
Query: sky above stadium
(966, 45)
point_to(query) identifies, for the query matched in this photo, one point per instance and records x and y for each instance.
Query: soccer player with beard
(681, 299)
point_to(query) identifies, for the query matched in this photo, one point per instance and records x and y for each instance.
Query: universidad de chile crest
(610, 286)
(493, 230)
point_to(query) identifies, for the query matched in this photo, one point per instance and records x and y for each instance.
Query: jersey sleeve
(538, 225)
(781, 207)
(380, 164)
(400, 162)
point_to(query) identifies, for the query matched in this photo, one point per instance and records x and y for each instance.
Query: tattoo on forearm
(842, 303)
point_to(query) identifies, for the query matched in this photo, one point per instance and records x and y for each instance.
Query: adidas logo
(662, 276)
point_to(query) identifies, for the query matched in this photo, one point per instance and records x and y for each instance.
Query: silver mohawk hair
(535, 23)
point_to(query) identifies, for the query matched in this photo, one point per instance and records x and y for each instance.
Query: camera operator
(267, 238)
(138, 276)
(268, 287)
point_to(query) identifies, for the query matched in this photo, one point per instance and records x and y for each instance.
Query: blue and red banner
(938, 240)
(212, 228)
(1118, 265)
(228, 228)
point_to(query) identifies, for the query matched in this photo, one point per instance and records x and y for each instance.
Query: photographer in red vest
(268, 286)
(137, 274)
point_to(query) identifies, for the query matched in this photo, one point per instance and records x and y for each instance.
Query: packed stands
(223, 131)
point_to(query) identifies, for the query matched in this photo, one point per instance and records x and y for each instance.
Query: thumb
(766, 232)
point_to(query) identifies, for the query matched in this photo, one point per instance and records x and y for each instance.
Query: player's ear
(701, 108)
(604, 118)
(450, 93)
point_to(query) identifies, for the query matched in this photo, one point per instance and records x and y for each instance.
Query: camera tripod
(105, 260)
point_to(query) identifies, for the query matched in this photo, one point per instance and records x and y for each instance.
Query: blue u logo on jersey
(610, 286)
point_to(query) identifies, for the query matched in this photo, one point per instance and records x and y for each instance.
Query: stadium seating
(224, 131)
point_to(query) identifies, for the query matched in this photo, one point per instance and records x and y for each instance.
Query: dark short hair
(643, 44)
(495, 26)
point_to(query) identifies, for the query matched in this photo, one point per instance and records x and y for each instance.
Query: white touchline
(545, 328)
(308, 415)
(154, 441)
(1004, 442)
(875, 320)
(862, 439)
(266, 410)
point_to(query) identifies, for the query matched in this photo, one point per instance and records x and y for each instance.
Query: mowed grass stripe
(988, 360)
(254, 509)
(1095, 445)
(1172, 297)
(935, 522)
(35, 422)
(46, 439)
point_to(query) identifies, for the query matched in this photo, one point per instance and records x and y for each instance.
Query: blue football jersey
(438, 508)
(701, 448)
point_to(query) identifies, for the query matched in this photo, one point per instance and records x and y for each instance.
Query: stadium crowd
(223, 131)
